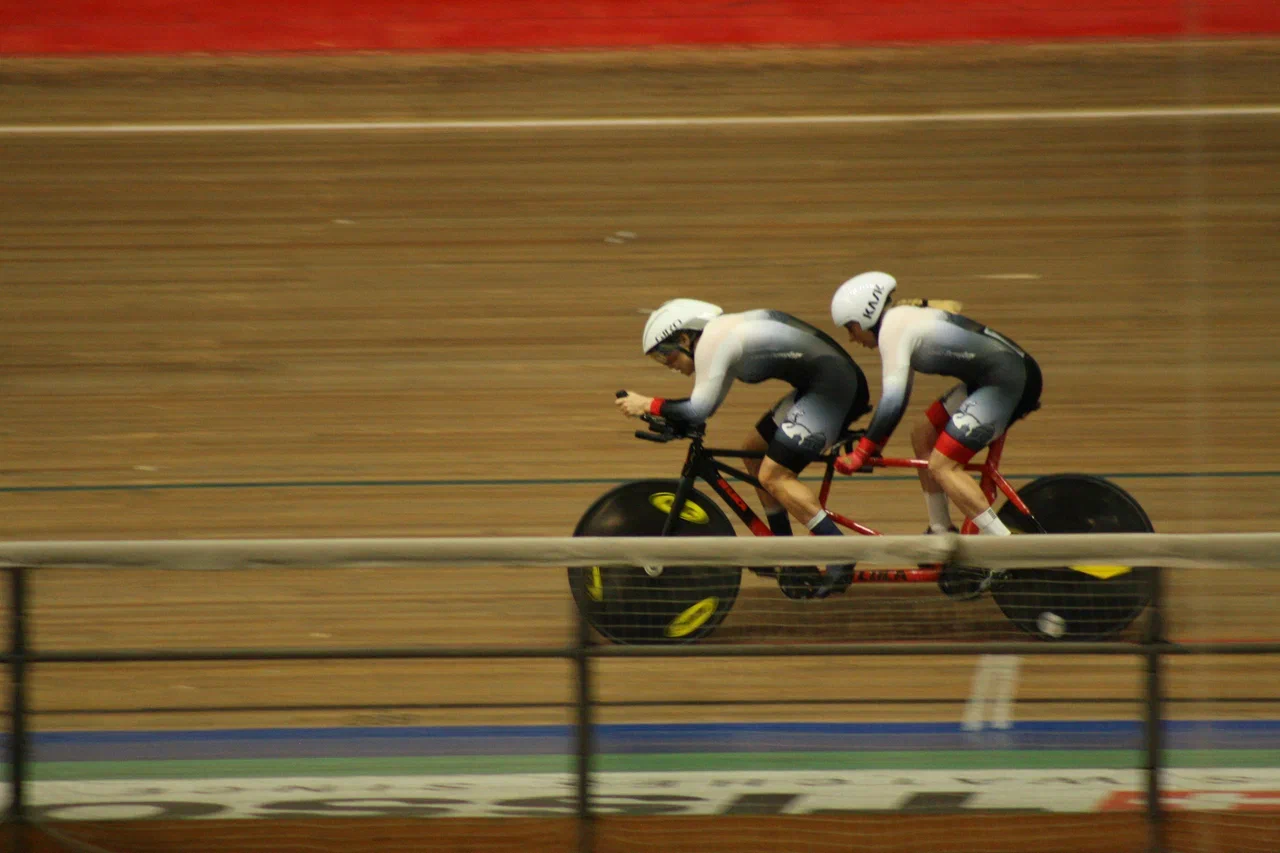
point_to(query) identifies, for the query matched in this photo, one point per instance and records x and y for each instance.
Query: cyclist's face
(674, 360)
(859, 335)
(673, 356)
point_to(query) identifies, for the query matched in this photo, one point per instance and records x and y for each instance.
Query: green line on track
(1066, 759)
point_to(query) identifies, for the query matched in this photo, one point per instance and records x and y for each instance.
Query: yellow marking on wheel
(693, 618)
(595, 585)
(1103, 572)
(690, 512)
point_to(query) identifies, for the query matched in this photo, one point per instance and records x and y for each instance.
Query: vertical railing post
(1154, 640)
(586, 740)
(17, 814)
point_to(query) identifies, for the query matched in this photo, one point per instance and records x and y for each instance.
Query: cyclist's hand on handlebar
(632, 405)
(856, 459)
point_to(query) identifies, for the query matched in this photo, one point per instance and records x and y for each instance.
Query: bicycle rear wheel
(629, 606)
(1081, 602)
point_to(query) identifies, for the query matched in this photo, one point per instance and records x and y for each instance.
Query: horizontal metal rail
(1170, 550)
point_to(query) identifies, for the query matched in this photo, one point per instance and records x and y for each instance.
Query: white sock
(989, 524)
(817, 519)
(939, 511)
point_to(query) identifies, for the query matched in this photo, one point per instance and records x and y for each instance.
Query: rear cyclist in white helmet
(829, 392)
(999, 384)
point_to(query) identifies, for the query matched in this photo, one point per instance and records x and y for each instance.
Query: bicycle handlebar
(661, 430)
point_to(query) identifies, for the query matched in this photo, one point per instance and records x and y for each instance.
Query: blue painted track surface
(638, 739)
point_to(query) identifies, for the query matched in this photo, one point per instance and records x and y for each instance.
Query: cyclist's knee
(773, 473)
(941, 465)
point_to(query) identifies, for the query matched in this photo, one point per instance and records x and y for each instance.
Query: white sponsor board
(693, 793)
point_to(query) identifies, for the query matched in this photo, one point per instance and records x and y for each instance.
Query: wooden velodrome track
(418, 333)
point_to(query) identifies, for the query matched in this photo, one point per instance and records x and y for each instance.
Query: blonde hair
(949, 305)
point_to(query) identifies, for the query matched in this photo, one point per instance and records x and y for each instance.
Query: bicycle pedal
(962, 583)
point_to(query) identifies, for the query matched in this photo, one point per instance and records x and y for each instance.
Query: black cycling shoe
(959, 583)
(809, 582)
(837, 578)
(964, 583)
(798, 582)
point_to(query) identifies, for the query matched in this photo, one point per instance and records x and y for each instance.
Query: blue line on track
(365, 742)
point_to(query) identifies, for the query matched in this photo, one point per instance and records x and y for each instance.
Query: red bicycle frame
(701, 462)
(991, 482)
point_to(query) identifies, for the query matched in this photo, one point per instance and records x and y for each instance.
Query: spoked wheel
(668, 604)
(1085, 602)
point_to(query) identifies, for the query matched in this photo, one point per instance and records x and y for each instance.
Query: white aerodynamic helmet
(677, 315)
(861, 299)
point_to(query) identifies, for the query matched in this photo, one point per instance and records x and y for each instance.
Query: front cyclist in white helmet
(829, 392)
(999, 384)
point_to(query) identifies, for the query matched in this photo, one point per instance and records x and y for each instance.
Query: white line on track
(1136, 113)
(991, 693)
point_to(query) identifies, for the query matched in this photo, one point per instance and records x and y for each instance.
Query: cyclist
(999, 384)
(829, 392)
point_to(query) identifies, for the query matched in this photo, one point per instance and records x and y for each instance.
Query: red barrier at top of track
(30, 27)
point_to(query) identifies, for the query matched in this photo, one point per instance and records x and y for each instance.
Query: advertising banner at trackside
(655, 793)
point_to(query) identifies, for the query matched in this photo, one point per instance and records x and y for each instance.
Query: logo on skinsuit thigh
(968, 427)
(693, 618)
(691, 512)
(802, 436)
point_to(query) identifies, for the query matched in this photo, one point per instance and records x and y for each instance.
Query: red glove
(858, 458)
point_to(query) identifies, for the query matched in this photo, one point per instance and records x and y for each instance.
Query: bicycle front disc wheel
(633, 605)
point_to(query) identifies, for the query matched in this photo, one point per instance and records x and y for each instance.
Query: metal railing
(1152, 648)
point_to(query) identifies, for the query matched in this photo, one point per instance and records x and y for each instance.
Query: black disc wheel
(635, 605)
(1083, 602)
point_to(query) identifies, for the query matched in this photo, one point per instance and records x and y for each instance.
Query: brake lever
(659, 430)
(853, 438)
(848, 448)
